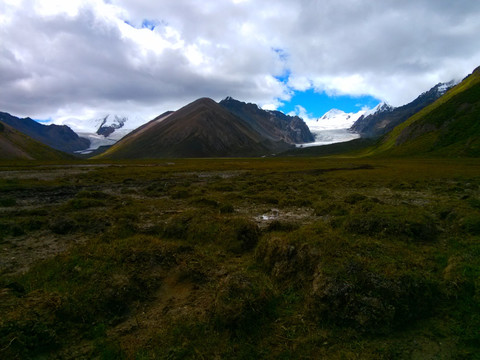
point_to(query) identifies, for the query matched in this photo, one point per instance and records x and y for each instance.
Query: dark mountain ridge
(202, 128)
(15, 145)
(273, 125)
(59, 137)
(387, 117)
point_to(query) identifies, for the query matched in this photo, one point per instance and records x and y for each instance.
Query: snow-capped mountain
(442, 88)
(110, 123)
(100, 140)
(384, 117)
(380, 108)
(333, 127)
(335, 119)
(108, 130)
(333, 113)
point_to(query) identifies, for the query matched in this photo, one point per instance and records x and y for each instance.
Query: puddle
(290, 215)
(271, 215)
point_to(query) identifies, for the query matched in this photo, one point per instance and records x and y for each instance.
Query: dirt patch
(33, 198)
(17, 254)
(292, 215)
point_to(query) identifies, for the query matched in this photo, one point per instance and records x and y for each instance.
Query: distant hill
(200, 129)
(385, 117)
(448, 127)
(15, 145)
(273, 125)
(59, 137)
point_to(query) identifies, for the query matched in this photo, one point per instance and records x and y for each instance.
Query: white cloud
(299, 83)
(79, 58)
(303, 113)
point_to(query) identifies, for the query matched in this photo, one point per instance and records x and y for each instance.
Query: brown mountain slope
(200, 129)
(273, 125)
(15, 145)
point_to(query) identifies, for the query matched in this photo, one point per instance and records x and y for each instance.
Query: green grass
(241, 258)
(448, 127)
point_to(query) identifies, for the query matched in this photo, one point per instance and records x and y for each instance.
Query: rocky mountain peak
(273, 125)
(110, 123)
(332, 114)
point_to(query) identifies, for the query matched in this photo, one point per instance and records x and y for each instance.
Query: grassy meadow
(278, 258)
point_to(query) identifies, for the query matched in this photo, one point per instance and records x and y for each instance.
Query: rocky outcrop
(273, 125)
(107, 129)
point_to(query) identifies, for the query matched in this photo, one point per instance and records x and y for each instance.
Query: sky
(77, 60)
(311, 104)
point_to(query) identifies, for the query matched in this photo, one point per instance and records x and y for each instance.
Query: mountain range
(15, 145)
(109, 129)
(449, 126)
(442, 121)
(59, 137)
(385, 117)
(205, 128)
(273, 125)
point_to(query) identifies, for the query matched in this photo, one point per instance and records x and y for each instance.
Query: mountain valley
(188, 239)
(230, 128)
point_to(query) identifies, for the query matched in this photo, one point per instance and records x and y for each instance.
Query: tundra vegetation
(282, 258)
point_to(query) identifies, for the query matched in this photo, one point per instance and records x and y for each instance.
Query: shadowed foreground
(245, 258)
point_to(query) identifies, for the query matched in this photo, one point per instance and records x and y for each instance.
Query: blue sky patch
(318, 103)
(146, 24)
(149, 24)
(44, 121)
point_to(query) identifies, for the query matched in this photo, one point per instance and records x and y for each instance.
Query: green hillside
(15, 145)
(448, 127)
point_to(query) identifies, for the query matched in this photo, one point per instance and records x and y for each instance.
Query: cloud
(303, 113)
(80, 59)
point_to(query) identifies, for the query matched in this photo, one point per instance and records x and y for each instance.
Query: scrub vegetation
(282, 258)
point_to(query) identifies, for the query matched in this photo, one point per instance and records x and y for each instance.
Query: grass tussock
(255, 258)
